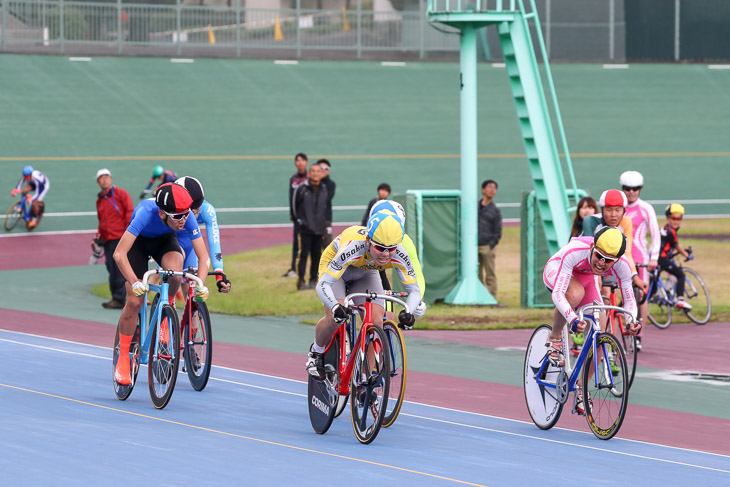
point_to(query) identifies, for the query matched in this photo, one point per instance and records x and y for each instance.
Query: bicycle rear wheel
(323, 395)
(696, 294)
(660, 309)
(12, 217)
(542, 402)
(198, 346)
(121, 391)
(370, 385)
(164, 358)
(398, 371)
(606, 394)
(629, 344)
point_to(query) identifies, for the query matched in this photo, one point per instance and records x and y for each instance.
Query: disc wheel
(13, 217)
(122, 391)
(198, 345)
(370, 385)
(398, 370)
(696, 294)
(542, 401)
(323, 395)
(607, 391)
(660, 309)
(164, 357)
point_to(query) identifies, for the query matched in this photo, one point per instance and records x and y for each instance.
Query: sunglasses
(177, 216)
(382, 248)
(604, 257)
(677, 219)
(631, 188)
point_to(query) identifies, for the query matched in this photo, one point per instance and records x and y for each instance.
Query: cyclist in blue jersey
(204, 213)
(152, 233)
(160, 173)
(32, 180)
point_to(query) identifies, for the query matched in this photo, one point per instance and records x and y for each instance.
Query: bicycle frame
(188, 310)
(573, 371)
(163, 290)
(346, 364)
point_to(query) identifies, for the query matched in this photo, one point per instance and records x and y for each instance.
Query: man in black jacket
(309, 208)
(490, 232)
(300, 161)
(324, 164)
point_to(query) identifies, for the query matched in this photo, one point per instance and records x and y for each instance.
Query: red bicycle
(364, 374)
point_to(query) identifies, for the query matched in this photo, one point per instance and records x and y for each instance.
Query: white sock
(317, 348)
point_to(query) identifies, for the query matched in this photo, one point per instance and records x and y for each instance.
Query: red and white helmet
(613, 197)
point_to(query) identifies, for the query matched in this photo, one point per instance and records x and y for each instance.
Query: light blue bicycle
(158, 346)
(606, 393)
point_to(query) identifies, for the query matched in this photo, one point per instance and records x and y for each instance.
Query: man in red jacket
(114, 208)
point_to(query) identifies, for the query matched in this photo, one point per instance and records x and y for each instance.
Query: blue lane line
(254, 424)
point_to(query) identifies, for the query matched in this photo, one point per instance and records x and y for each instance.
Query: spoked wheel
(13, 216)
(398, 370)
(164, 357)
(198, 346)
(696, 294)
(542, 402)
(370, 385)
(607, 392)
(631, 352)
(660, 309)
(322, 395)
(121, 391)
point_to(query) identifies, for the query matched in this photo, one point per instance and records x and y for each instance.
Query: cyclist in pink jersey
(570, 275)
(643, 217)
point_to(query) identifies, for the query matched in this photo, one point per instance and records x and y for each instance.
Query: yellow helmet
(611, 241)
(385, 228)
(674, 208)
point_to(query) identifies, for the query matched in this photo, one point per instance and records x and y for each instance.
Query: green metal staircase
(533, 112)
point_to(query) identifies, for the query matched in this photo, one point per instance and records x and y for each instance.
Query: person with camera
(114, 209)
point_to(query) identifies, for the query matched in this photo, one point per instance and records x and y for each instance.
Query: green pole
(469, 290)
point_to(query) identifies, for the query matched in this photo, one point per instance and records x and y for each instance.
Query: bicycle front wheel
(198, 346)
(164, 357)
(370, 385)
(122, 391)
(696, 294)
(398, 370)
(606, 394)
(542, 402)
(660, 308)
(12, 217)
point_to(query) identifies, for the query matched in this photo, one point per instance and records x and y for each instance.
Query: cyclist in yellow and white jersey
(350, 264)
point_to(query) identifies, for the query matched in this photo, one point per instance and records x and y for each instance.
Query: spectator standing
(300, 162)
(383, 193)
(114, 208)
(324, 164)
(586, 206)
(490, 232)
(309, 207)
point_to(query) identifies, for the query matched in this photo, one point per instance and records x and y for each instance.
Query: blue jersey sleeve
(209, 217)
(191, 226)
(141, 219)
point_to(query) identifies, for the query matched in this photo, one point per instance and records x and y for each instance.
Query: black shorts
(145, 247)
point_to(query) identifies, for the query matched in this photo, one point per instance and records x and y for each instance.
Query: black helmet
(173, 198)
(195, 189)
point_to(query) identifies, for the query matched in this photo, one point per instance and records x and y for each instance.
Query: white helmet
(632, 179)
(391, 205)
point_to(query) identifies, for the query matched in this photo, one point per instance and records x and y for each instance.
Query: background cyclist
(570, 276)
(204, 214)
(32, 180)
(669, 242)
(160, 173)
(350, 264)
(643, 217)
(152, 233)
